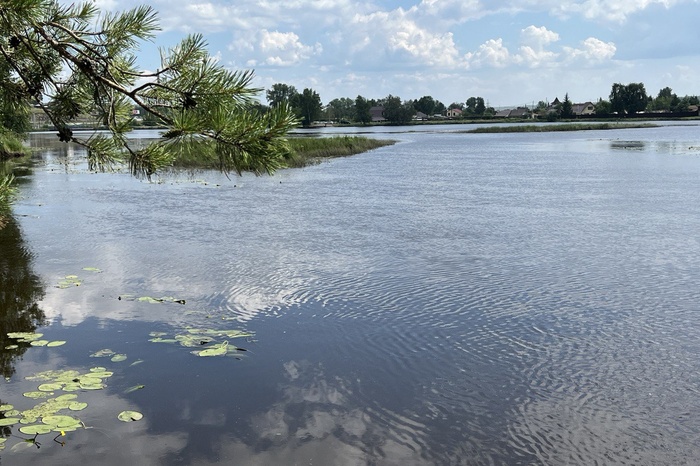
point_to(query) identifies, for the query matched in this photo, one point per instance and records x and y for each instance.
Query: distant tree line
(624, 99)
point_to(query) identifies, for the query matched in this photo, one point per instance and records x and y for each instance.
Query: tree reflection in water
(20, 290)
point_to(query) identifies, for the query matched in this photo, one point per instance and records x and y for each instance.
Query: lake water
(494, 299)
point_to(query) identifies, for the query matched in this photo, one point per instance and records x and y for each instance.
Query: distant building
(505, 113)
(377, 113)
(586, 108)
(454, 113)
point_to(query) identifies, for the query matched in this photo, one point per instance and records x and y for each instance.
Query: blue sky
(510, 52)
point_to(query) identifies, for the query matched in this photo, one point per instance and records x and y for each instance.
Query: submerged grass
(303, 151)
(562, 127)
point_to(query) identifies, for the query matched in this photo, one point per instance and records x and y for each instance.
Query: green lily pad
(11, 347)
(92, 269)
(59, 421)
(6, 408)
(49, 387)
(39, 342)
(98, 376)
(217, 350)
(9, 421)
(77, 406)
(119, 358)
(53, 344)
(103, 353)
(129, 416)
(37, 395)
(36, 429)
(25, 337)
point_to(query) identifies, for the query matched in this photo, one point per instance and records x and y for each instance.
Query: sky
(510, 52)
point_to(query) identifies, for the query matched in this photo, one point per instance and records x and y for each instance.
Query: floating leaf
(25, 337)
(11, 347)
(157, 334)
(36, 429)
(102, 374)
(134, 388)
(53, 344)
(217, 350)
(162, 340)
(92, 269)
(138, 361)
(129, 416)
(49, 387)
(39, 342)
(77, 406)
(69, 281)
(6, 408)
(102, 353)
(148, 299)
(37, 395)
(8, 421)
(119, 358)
(60, 421)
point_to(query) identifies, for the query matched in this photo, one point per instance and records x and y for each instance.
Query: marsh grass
(303, 151)
(562, 127)
(11, 146)
(307, 151)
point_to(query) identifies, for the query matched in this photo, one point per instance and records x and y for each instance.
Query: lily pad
(49, 387)
(39, 342)
(217, 350)
(6, 408)
(25, 337)
(36, 429)
(77, 406)
(103, 353)
(129, 416)
(92, 269)
(11, 347)
(119, 358)
(9, 421)
(60, 421)
(37, 395)
(53, 344)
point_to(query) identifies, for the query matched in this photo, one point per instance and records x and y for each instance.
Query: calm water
(452, 299)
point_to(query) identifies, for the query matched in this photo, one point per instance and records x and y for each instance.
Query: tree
(603, 107)
(397, 112)
(342, 109)
(566, 110)
(425, 104)
(475, 106)
(630, 98)
(362, 107)
(83, 62)
(280, 94)
(307, 106)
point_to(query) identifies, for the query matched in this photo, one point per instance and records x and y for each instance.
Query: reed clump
(562, 127)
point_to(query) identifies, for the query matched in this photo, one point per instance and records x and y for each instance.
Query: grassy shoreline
(309, 150)
(304, 151)
(558, 127)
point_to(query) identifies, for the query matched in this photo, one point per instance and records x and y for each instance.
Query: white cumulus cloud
(592, 50)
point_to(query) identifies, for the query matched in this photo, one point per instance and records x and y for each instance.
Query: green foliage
(306, 151)
(397, 112)
(566, 110)
(628, 99)
(362, 107)
(307, 106)
(280, 93)
(83, 62)
(342, 109)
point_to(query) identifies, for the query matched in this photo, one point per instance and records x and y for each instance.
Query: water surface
(451, 299)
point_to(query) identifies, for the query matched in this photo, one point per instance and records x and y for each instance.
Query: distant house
(586, 108)
(520, 112)
(420, 116)
(454, 113)
(505, 113)
(377, 113)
